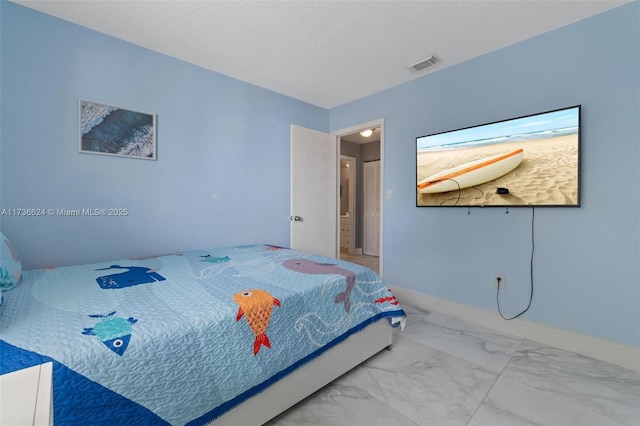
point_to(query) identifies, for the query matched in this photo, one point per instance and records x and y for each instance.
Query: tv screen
(525, 161)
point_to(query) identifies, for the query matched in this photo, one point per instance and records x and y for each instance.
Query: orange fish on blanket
(256, 305)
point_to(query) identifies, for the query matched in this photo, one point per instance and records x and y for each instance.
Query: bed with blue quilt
(190, 338)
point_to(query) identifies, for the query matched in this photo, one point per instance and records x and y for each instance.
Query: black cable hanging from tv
(533, 246)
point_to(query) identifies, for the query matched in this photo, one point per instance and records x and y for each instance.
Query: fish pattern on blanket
(114, 332)
(205, 331)
(256, 305)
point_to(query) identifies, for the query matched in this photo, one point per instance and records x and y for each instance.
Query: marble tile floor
(443, 371)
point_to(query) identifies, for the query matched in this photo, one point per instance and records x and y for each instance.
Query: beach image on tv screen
(535, 158)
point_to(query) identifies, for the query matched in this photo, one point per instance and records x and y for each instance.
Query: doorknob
(296, 218)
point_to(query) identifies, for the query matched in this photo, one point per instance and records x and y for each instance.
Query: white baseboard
(603, 350)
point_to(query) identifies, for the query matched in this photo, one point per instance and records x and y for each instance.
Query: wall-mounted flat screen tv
(525, 161)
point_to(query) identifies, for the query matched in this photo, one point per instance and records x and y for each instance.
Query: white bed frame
(311, 377)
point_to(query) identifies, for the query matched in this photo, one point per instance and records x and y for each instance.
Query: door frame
(353, 210)
(347, 131)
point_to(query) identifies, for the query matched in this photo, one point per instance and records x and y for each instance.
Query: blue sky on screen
(566, 118)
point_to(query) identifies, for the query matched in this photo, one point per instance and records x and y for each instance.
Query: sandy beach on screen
(548, 174)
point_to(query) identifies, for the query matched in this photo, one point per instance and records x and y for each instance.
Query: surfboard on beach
(472, 173)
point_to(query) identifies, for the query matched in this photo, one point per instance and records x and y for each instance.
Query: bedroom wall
(223, 155)
(1, 114)
(586, 266)
(222, 173)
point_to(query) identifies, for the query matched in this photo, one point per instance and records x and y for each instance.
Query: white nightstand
(26, 396)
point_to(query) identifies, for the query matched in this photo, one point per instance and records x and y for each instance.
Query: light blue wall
(222, 174)
(1, 228)
(586, 266)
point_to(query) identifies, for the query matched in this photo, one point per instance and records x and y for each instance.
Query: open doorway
(360, 230)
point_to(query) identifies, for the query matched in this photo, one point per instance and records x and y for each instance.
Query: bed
(228, 335)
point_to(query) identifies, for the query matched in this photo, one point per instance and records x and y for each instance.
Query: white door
(371, 237)
(314, 183)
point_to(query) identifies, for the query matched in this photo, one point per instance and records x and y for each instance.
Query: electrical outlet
(498, 282)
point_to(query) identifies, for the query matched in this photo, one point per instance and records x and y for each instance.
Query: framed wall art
(111, 130)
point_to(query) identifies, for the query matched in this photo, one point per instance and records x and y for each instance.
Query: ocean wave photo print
(111, 130)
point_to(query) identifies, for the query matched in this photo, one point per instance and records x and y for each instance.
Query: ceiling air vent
(424, 64)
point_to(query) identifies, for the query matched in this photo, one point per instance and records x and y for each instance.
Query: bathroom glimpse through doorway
(355, 150)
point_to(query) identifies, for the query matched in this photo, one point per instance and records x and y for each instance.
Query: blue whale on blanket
(214, 259)
(114, 332)
(134, 276)
(306, 266)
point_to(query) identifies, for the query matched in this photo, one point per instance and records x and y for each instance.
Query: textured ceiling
(326, 53)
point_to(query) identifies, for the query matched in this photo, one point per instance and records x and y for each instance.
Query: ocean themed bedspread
(183, 338)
